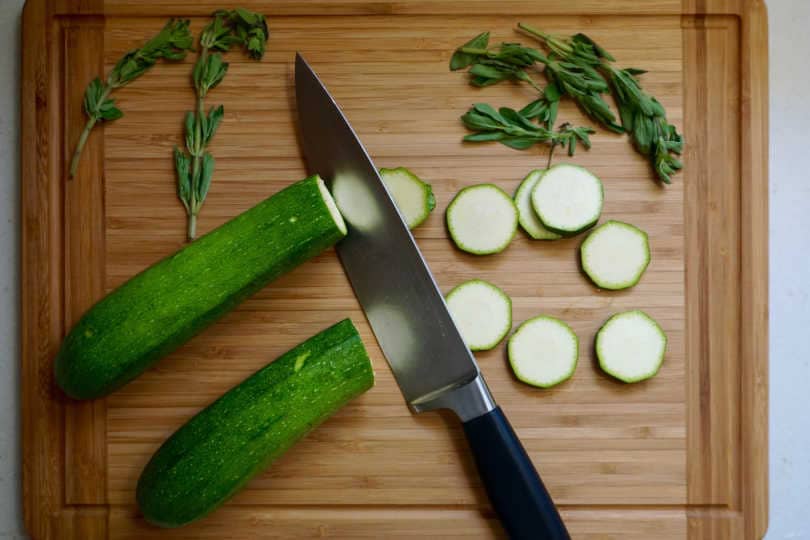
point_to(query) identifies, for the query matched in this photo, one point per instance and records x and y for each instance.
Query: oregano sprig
(510, 61)
(488, 66)
(171, 43)
(585, 86)
(575, 66)
(511, 128)
(642, 116)
(195, 165)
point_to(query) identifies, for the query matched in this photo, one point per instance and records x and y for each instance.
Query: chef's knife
(406, 310)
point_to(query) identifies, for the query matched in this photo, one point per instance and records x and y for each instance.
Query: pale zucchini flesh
(630, 346)
(482, 219)
(615, 255)
(482, 313)
(568, 199)
(543, 352)
(413, 197)
(526, 215)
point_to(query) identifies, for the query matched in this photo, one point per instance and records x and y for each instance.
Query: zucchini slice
(526, 215)
(482, 313)
(210, 458)
(413, 197)
(630, 346)
(543, 352)
(482, 219)
(568, 199)
(615, 255)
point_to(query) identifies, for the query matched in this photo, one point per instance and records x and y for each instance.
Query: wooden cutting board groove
(681, 456)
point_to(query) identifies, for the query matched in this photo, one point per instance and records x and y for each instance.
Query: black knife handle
(512, 483)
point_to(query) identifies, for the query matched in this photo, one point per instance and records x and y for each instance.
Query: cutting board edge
(39, 236)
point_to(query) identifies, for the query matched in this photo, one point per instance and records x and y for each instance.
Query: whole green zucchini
(165, 305)
(215, 453)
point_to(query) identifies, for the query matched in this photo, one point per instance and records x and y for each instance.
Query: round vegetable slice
(526, 215)
(482, 219)
(615, 255)
(482, 313)
(543, 351)
(413, 197)
(568, 199)
(630, 346)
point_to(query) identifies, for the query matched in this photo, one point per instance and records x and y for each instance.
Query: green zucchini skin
(220, 449)
(165, 305)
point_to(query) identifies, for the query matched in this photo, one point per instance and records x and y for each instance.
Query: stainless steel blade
(406, 310)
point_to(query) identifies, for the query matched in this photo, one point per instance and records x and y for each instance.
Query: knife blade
(407, 313)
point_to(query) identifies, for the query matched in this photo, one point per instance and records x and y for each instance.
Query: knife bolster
(469, 400)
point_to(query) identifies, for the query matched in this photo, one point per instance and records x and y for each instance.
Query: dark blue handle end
(515, 490)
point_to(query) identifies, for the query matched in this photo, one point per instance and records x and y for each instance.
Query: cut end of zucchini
(482, 219)
(543, 352)
(631, 346)
(568, 199)
(615, 255)
(482, 313)
(330, 204)
(526, 215)
(413, 197)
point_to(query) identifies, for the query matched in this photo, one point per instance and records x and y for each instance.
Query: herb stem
(555, 44)
(547, 38)
(474, 50)
(197, 154)
(77, 153)
(551, 153)
(192, 226)
(533, 31)
(92, 118)
(194, 164)
(534, 85)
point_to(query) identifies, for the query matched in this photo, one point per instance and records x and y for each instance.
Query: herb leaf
(182, 164)
(507, 61)
(248, 29)
(513, 129)
(644, 118)
(460, 59)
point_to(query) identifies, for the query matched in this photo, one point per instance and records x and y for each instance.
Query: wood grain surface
(680, 456)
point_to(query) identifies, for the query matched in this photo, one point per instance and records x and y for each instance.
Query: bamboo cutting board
(680, 456)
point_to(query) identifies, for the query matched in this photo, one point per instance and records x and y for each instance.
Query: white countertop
(789, 270)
